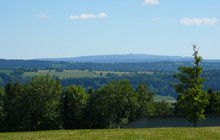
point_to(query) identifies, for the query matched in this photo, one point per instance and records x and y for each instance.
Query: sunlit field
(79, 73)
(205, 133)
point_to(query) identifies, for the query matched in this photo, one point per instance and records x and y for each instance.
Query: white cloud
(42, 16)
(156, 19)
(87, 16)
(198, 21)
(150, 2)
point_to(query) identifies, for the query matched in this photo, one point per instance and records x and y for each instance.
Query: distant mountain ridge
(130, 62)
(125, 58)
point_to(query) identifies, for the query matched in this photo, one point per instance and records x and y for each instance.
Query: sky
(32, 29)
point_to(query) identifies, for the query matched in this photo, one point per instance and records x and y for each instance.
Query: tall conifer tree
(191, 99)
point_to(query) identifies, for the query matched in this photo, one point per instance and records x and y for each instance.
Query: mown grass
(205, 133)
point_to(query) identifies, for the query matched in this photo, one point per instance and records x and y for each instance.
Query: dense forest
(141, 66)
(159, 82)
(42, 104)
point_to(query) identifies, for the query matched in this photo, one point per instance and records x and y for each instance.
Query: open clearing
(63, 75)
(169, 99)
(79, 73)
(118, 134)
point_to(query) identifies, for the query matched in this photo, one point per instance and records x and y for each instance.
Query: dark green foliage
(162, 108)
(214, 102)
(39, 105)
(74, 104)
(192, 100)
(34, 106)
(161, 84)
(13, 106)
(18, 72)
(158, 82)
(212, 79)
(59, 69)
(101, 74)
(44, 103)
(131, 66)
(112, 105)
(4, 78)
(145, 101)
(2, 111)
(117, 103)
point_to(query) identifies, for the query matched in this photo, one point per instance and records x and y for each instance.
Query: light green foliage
(169, 99)
(206, 133)
(192, 100)
(74, 104)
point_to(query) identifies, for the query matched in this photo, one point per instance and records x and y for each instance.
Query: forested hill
(137, 66)
(126, 58)
(147, 66)
(30, 64)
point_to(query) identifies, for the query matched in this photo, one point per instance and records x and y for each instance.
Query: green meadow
(169, 99)
(205, 133)
(78, 73)
(62, 75)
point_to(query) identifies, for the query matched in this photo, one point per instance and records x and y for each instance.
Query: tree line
(159, 82)
(41, 104)
(128, 67)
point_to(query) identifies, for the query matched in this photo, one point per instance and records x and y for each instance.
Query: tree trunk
(195, 123)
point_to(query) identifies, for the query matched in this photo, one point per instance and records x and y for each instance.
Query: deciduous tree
(74, 104)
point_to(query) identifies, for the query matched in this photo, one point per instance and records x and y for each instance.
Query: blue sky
(69, 28)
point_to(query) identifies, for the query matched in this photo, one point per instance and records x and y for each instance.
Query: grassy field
(6, 71)
(205, 133)
(77, 73)
(62, 75)
(169, 99)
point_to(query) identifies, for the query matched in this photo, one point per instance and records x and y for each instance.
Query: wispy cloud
(150, 2)
(87, 16)
(156, 19)
(217, 28)
(42, 16)
(198, 21)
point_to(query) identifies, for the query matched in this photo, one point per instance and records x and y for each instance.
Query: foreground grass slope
(126, 134)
